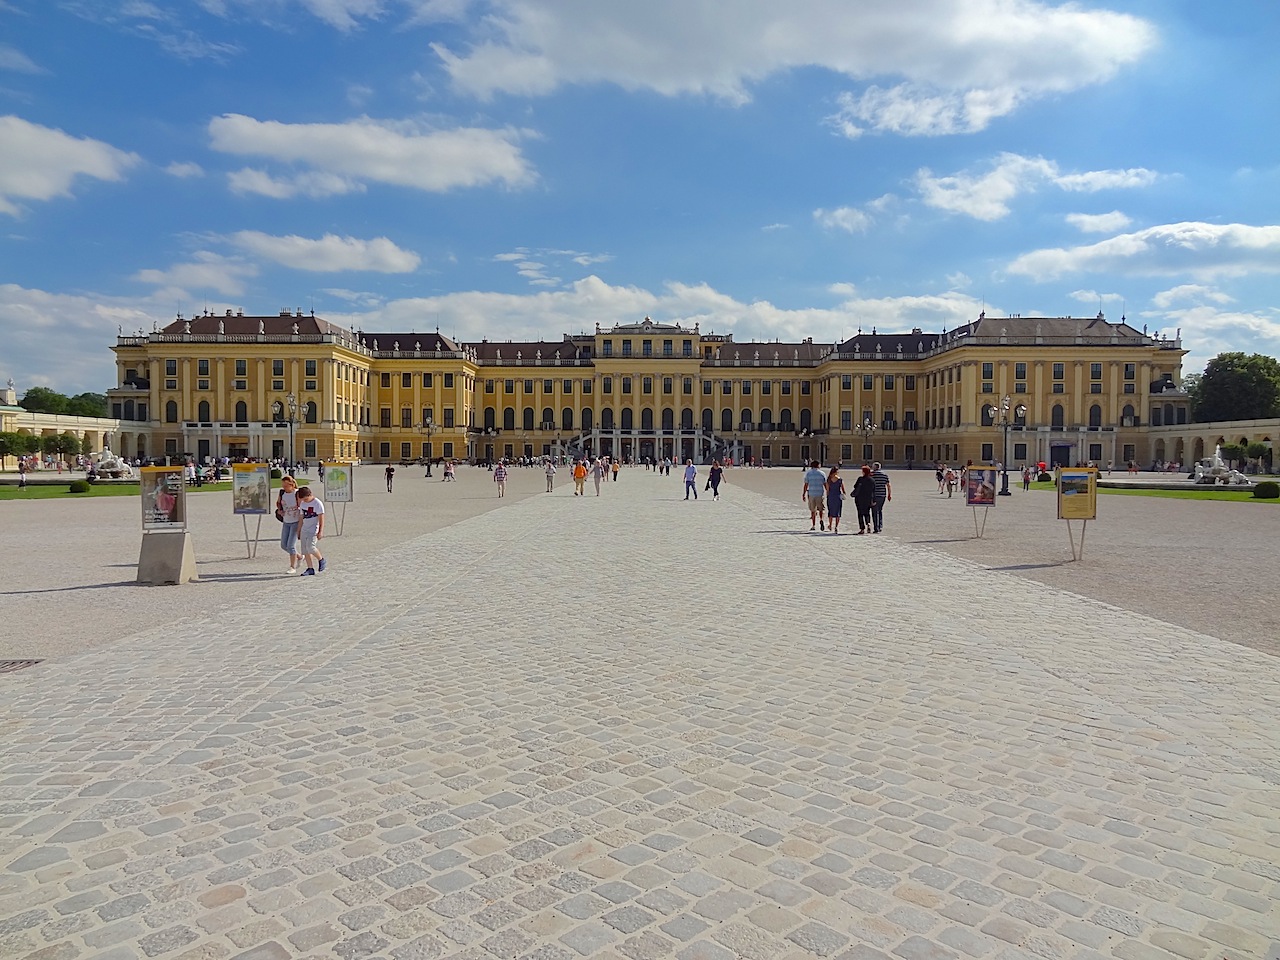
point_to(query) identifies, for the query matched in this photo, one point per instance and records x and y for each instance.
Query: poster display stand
(167, 555)
(1077, 500)
(339, 487)
(980, 491)
(250, 496)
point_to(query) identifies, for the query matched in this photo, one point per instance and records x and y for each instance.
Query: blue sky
(527, 168)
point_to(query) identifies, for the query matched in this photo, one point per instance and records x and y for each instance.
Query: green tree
(88, 405)
(27, 443)
(8, 445)
(44, 400)
(1258, 451)
(1238, 386)
(1231, 452)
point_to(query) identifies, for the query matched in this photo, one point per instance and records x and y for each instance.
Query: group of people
(301, 516)
(825, 493)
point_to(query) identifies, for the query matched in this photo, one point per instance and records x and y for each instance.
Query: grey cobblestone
(412, 778)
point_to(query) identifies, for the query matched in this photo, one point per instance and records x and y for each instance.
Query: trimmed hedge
(275, 473)
(1045, 478)
(1266, 490)
(79, 486)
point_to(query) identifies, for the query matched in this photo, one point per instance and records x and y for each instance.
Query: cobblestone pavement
(633, 726)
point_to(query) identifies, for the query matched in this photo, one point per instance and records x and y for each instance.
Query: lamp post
(868, 430)
(1004, 417)
(428, 427)
(292, 403)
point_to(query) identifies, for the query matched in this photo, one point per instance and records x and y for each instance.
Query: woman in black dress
(864, 493)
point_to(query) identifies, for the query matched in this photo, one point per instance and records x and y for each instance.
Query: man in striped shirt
(500, 478)
(883, 494)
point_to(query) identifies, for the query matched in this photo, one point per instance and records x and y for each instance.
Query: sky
(520, 169)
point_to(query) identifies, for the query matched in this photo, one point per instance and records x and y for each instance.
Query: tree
(44, 400)
(8, 445)
(1258, 451)
(88, 405)
(1238, 386)
(28, 443)
(1231, 452)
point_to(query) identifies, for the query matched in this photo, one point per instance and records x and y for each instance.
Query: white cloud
(987, 195)
(329, 254)
(849, 219)
(1098, 222)
(184, 170)
(1094, 297)
(1189, 293)
(1197, 250)
(953, 65)
(206, 271)
(401, 154)
(308, 184)
(38, 163)
(1207, 331)
(343, 15)
(531, 264)
(13, 59)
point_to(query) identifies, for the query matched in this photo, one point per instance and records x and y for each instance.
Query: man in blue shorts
(815, 493)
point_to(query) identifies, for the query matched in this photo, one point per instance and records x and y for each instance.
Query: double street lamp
(868, 430)
(1005, 416)
(291, 403)
(428, 427)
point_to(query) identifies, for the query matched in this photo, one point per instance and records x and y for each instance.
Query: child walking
(312, 510)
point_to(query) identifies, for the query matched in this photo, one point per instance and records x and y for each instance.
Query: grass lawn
(59, 491)
(1212, 493)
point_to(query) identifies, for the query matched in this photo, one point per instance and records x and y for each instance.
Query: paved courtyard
(634, 726)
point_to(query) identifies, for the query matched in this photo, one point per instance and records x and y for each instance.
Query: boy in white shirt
(312, 510)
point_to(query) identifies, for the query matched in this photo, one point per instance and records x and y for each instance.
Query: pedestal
(166, 558)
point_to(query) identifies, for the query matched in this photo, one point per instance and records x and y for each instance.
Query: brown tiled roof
(489, 350)
(276, 326)
(429, 341)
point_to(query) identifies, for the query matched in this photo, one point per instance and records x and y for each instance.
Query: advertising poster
(338, 483)
(250, 488)
(980, 487)
(164, 498)
(1077, 493)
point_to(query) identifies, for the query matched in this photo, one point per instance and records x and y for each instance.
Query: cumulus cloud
(184, 170)
(532, 265)
(400, 154)
(848, 219)
(1197, 250)
(1208, 331)
(1098, 222)
(308, 184)
(951, 65)
(1189, 293)
(39, 163)
(205, 271)
(986, 195)
(329, 254)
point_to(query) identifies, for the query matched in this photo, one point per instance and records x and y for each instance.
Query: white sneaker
(293, 570)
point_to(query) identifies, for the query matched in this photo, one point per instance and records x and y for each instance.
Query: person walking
(815, 492)
(311, 530)
(690, 480)
(883, 495)
(597, 473)
(551, 474)
(500, 477)
(835, 498)
(616, 466)
(290, 518)
(1026, 478)
(391, 475)
(579, 479)
(714, 477)
(864, 494)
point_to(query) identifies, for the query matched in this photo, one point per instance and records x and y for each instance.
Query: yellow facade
(219, 386)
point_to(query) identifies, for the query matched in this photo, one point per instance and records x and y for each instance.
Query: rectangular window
(988, 388)
(239, 384)
(786, 452)
(1019, 388)
(1019, 453)
(488, 386)
(386, 381)
(888, 381)
(309, 449)
(706, 388)
(548, 386)
(277, 368)
(1059, 371)
(1130, 388)
(626, 348)
(202, 384)
(846, 381)
(868, 453)
(786, 388)
(606, 385)
(746, 388)
(242, 368)
(846, 420)
(308, 384)
(173, 385)
(987, 371)
(277, 384)
(427, 415)
(726, 387)
(528, 386)
(428, 380)
(846, 452)
(688, 348)
(666, 348)
(406, 451)
(1095, 388)
(668, 386)
(626, 384)
(406, 380)
(567, 388)
(1020, 370)
(1130, 371)
(1095, 371)
(171, 368)
(1095, 452)
(909, 451)
(508, 386)
(766, 387)
(385, 416)
(406, 417)
(647, 348)
(868, 381)
(806, 387)
(448, 381)
(910, 383)
(448, 418)
(448, 448)
(202, 368)
(1059, 388)
(988, 452)
(384, 451)
(888, 453)
(646, 385)
(586, 386)
(686, 386)
(607, 349)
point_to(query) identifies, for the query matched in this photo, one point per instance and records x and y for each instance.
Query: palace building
(1057, 389)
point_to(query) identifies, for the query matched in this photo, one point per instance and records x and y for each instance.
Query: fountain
(107, 464)
(1212, 470)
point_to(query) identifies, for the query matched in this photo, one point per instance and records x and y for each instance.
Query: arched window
(202, 411)
(242, 411)
(171, 412)
(726, 420)
(1095, 416)
(628, 419)
(549, 417)
(806, 419)
(586, 418)
(646, 420)
(988, 415)
(490, 418)
(708, 419)
(746, 419)
(311, 412)
(528, 418)
(766, 419)
(606, 419)
(784, 418)
(1055, 417)
(566, 418)
(1156, 419)
(1126, 415)
(509, 418)
(128, 409)
(686, 419)
(1168, 413)
(668, 419)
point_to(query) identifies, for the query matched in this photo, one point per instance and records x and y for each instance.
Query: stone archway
(1197, 449)
(1160, 449)
(1179, 451)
